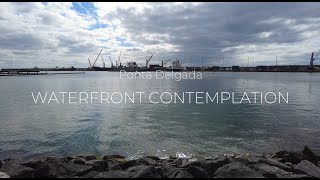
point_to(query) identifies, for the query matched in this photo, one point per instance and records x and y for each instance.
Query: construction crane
(164, 63)
(104, 64)
(119, 59)
(148, 60)
(89, 63)
(111, 62)
(314, 56)
(96, 58)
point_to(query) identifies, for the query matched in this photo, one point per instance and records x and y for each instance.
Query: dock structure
(13, 72)
(18, 72)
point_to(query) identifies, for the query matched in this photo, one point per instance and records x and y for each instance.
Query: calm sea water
(30, 130)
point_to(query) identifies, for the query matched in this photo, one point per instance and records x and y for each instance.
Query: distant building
(132, 65)
(235, 68)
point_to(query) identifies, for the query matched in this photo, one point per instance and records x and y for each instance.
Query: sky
(65, 34)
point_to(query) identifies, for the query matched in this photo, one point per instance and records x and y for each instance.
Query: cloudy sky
(67, 34)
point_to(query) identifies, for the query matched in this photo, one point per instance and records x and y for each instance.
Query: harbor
(176, 65)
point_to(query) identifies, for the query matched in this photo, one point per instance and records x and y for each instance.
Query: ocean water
(29, 129)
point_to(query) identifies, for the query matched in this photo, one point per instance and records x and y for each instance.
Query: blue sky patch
(124, 43)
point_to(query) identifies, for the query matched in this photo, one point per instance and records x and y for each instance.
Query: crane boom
(312, 59)
(97, 58)
(89, 62)
(104, 64)
(166, 62)
(148, 60)
(119, 57)
(111, 62)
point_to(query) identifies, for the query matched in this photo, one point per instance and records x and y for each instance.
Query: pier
(26, 71)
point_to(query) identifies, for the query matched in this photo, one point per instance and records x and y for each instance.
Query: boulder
(112, 174)
(4, 175)
(89, 158)
(269, 171)
(155, 158)
(32, 164)
(183, 174)
(134, 170)
(90, 174)
(54, 168)
(79, 161)
(236, 170)
(116, 156)
(274, 162)
(212, 165)
(308, 168)
(14, 169)
(173, 172)
(103, 165)
(310, 156)
(148, 172)
(197, 172)
(280, 154)
(128, 164)
(146, 161)
(247, 159)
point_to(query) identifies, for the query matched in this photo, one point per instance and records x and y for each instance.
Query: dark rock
(172, 157)
(173, 172)
(14, 169)
(4, 175)
(148, 172)
(102, 165)
(294, 176)
(112, 174)
(146, 161)
(212, 165)
(276, 163)
(90, 174)
(155, 158)
(54, 168)
(169, 171)
(247, 159)
(236, 170)
(183, 174)
(289, 164)
(280, 154)
(308, 168)
(310, 156)
(1, 163)
(109, 157)
(197, 172)
(90, 163)
(89, 158)
(128, 164)
(269, 171)
(134, 170)
(69, 158)
(293, 157)
(79, 161)
(32, 164)
(195, 163)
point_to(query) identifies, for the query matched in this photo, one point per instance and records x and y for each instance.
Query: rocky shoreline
(282, 164)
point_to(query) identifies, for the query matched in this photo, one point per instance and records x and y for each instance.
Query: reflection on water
(29, 129)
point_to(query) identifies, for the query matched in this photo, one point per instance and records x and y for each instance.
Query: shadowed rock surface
(283, 164)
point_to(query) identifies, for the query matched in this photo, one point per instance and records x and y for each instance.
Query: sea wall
(282, 164)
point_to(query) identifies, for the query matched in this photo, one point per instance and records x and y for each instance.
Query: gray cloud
(210, 27)
(186, 31)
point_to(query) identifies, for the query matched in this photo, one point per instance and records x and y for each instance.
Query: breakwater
(282, 164)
